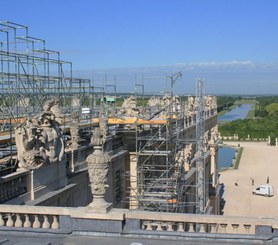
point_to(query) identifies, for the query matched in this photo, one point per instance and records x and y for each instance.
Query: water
(225, 157)
(240, 112)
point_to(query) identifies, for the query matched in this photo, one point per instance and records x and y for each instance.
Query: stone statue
(52, 135)
(187, 157)
(154, 101)
(74, 130)
(100, 133)
(214, 135)
(30, 153)
(191, 103)
(39, 141)
(128, 107)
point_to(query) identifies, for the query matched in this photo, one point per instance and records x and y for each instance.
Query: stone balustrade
(68, 220)
(13, 185)
(30, 217)
(153, 221)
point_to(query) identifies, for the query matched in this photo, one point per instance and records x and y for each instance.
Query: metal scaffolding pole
(200, 161)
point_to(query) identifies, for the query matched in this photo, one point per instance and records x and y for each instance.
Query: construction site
(168, 143)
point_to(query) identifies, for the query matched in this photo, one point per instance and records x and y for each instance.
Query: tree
(272, 109)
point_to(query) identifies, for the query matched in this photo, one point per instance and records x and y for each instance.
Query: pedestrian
(252, 181)
(267, 180)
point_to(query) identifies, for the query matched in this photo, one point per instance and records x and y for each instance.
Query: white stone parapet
(41, 217)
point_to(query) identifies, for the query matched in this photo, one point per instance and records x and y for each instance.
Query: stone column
(98, 166)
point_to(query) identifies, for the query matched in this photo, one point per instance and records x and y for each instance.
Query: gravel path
(258, 161)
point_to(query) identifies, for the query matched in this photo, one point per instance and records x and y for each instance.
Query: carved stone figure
(215, 135)
(52, 135)
(29, 152)
(100, 133)
(187, 157)
(74, 130)
(191, 103)
(129, 107)
(154, 101)
(39, 141)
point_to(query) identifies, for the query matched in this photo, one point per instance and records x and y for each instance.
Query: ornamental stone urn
(98, 167)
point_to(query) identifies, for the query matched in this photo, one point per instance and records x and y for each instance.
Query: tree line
(264, 124)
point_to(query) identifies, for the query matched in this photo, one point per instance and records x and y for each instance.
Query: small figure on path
(252, 180)
(236, 183)
(267, 180)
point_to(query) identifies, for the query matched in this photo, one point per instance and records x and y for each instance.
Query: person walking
(267, 180)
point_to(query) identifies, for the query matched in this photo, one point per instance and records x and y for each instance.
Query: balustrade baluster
(18, 222)
(159, 227)
(36, 223)
(235, 227)
(55, 224)
(223, 227)
(180, 227)
(191, 227)
(2, 222)
(169, 226)
(27, 222)
(149, 225)
(202, 227)
(247, 228)
(213, 228)
(10, 221)
(45, 223)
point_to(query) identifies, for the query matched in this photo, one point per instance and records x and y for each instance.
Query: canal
(240, 112)
(226, 154)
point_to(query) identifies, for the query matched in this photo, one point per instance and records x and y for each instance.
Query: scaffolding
(200, 158)
(30, 73)
(159, 177)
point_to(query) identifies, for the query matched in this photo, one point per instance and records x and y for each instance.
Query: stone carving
(39, 141)
(214, 135)
(154, 101)
(187, 157)
(183, 157)
(98, 167)
(210, 102)
(98, 171)
(100, 133)
(30, 153)
(74, 130)
(214, 102)
(129, 107)
(75, 102)
(189, 107)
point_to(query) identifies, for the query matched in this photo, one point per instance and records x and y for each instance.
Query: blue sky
(233, 44)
